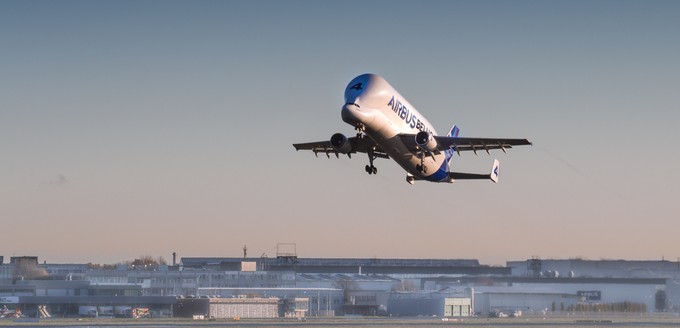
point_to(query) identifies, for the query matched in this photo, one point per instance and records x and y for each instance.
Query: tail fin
(454, 131)
(454, 134)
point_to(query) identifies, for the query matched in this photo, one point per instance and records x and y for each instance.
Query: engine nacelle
(340, 143)
(426, 141)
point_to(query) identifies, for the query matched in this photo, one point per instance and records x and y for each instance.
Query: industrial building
(656, 284)
(431, 304)
(265, 287)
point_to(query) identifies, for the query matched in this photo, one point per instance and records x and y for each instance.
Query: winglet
(495, 170)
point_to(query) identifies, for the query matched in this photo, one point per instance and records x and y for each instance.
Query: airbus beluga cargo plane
(390, 127)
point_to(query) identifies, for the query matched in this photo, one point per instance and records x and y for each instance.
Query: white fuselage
(375, 106)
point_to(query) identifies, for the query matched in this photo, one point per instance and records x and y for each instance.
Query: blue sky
(152, 127)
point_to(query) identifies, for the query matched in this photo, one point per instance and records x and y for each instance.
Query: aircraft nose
(353, 114)
(350, 113)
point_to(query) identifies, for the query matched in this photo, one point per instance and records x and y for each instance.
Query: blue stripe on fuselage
(442, 173)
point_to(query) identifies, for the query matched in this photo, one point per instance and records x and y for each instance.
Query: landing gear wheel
(370, 169)
(421, 168)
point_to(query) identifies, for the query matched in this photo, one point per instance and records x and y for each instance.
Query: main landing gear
(421, 168)
(371, 169)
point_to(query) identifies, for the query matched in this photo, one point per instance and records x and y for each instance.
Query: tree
(147, 261)
(141, 262)
(29, 270)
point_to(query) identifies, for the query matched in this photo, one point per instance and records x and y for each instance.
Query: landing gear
(421, 168)
(361, 129)
(370, 169)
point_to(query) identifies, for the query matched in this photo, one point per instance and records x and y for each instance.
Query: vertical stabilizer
(453, 133)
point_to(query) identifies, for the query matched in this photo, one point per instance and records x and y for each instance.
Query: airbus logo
(407, 116)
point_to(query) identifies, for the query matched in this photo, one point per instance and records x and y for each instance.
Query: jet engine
(340, 143)
(426, 141)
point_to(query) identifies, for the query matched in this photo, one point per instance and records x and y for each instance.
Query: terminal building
(294, 287)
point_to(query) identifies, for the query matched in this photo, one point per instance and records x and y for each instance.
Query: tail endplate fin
(495, 170)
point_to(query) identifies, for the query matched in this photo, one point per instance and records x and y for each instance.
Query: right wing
(359, 145)
(475, 144)
(465, 144)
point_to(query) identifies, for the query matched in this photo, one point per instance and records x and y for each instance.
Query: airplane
(388, 126)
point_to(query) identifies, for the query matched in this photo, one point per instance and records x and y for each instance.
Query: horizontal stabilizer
(493, 176)
(468, 176)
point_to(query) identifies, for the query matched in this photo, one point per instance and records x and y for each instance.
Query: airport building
(291, 286)
(653, 283)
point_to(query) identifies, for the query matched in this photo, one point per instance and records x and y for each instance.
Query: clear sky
(151, 127)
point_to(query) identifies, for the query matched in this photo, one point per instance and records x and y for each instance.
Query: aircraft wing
(466, 144)
(359, 145)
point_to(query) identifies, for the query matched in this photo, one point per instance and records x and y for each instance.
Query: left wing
(358, 145)
(466, 144)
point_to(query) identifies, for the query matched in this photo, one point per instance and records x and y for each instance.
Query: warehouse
(221, 308)
(242, 307)
(536, 295)
(430, 304)
(70, 306)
